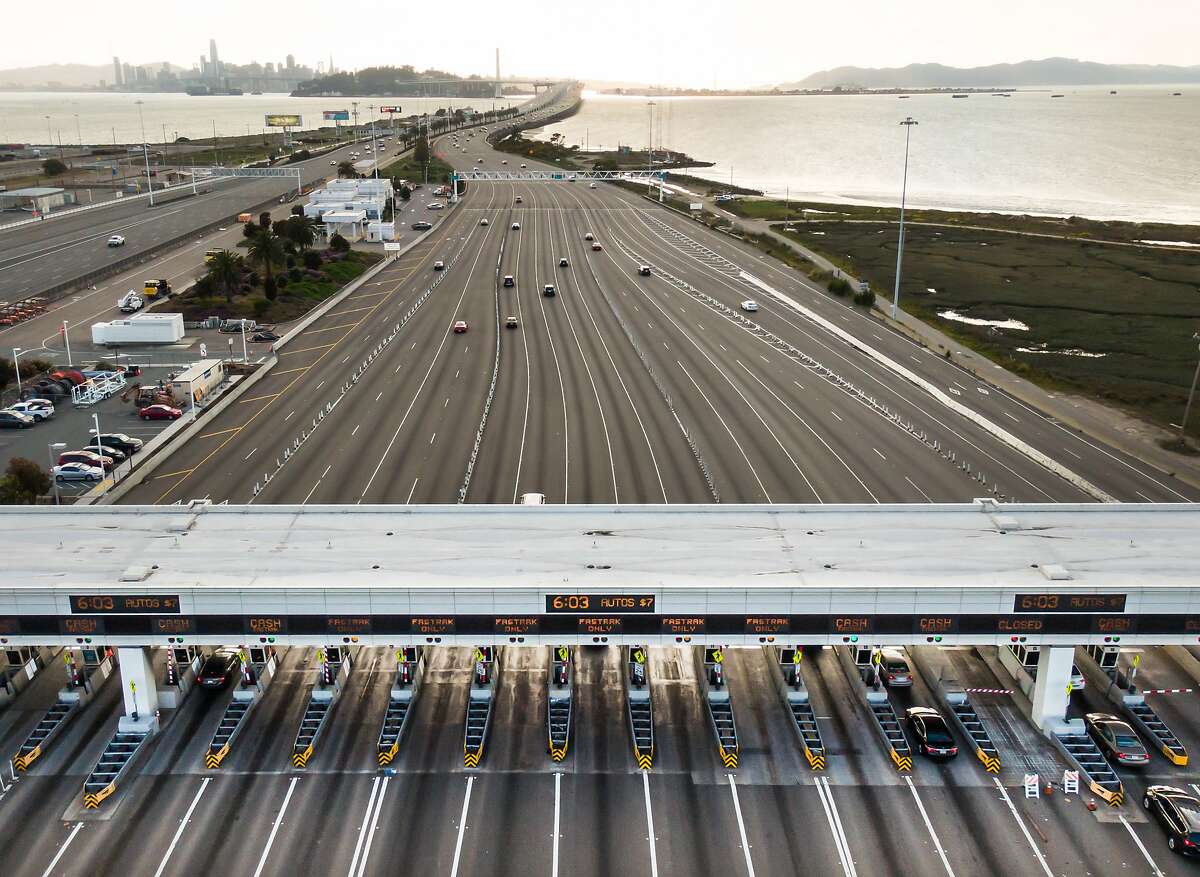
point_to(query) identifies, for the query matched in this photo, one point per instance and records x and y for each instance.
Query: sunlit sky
(703, 43)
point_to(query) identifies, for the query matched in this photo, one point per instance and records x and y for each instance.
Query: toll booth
(21, 665)
(406, 684)
(183, 663)
(639, 707)
(784, 665)
(937, 671)
(865, 681)
(714, 692)
(334, 664)
(84, 679)
(482, 697)
(256, 671)
(559, 690)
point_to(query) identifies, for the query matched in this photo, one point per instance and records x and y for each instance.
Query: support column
(138, 684)
(1050, 699)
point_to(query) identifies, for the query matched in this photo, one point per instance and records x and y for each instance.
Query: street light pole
(50, 449)
(908, 126)
(1188, 408)
(374, 143)
(67, 341)
(17, 369)
(78, 133)
(245, 356)
(650, 146)
(146, 152)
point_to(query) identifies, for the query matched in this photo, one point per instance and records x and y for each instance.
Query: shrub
(33, 366)
(264, 219)
(291, 261)
(249, 230)
(269, 288)
(204, 285)
(252, 278)
(25, 481)
(261, 306)
(839, 286)
(294, 273)
(282, 281)
(298, 210)
(338, 243)
(865, 299)
(312, 260)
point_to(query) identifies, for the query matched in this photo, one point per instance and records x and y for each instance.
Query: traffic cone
(1049, 789)
(1091, 804)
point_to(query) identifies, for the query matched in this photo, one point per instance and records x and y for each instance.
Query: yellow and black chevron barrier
(990, 762)
(214, 757)
(645, 760)
(387, 754)
(300, 758)
(558, 753)
(91, 800)
(902, 762)
(1175, 754)
(816, 760)
(729, 757)
(22, 762)
(471, 757)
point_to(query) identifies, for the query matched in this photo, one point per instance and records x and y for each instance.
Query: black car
(422, 225)
(14, 420)
(265, 335)
(934, 739)
(218, 669)
(126, 444)
(1179, 815)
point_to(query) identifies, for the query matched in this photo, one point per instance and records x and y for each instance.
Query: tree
(421, 151)
(346, 169)
(52, 167)
(338, 244)
(226, 272)
(24, 482)
(405, 193)
(267, 250)
(7, 373)
(298, 230)
(264, 219)
(249, 230)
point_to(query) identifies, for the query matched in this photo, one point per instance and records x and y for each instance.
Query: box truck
(139, 329)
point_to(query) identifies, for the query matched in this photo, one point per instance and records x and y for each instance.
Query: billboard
(336, 115)
(283, 120)
(389, 109)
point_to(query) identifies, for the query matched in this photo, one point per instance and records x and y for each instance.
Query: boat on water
(960, 95)
(1176, 93)
(256, 92)
(1001, 94)
(907, 96)
(1058, 95)
(1112, 92)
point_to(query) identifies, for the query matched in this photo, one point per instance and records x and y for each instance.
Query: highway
(619, 388)
(769, 816)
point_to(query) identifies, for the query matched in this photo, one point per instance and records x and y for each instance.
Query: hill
(1048, 71)
(67, 74)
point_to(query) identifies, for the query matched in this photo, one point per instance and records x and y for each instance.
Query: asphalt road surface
(592, 814)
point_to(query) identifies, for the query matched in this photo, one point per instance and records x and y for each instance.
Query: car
(36, 411)
(524, 165)
(749, 306)
(1116, 739)
(519, 200)
(160, 412)
(483, 221)
(435, 205)
(1179, 815)
(116, 241)
(591, 185)
(1078, 682)
(479, 161)
(439, 265)
(218, 669)
(460, 326)
(894, 670)
(15, 420)
(88, 458)
(562, 262)
(76, 472)
(504, 161)
(596, 246)
(934, 739)
(511, 323)
(548, 290)
(422, 225)
(333, 162)
(40, 403)
(104, 450)
(264, 335)
(516, 226)
(589, 237)
(508, 280)
(644, 270)
(126, 444)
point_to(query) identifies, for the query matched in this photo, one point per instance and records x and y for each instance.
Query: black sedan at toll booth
(218, 668)
(1116, 739)
(934, 739)
(1179, 815)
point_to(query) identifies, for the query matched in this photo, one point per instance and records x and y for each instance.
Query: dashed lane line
(737, 809)
(262, 861)
(929, 826)
(162, 866)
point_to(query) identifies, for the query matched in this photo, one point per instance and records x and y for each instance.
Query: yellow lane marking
(306, 349)
(329, 328)
(180, 472)
(356, 310)
(275, 374)
(258, 398)
(218, 432)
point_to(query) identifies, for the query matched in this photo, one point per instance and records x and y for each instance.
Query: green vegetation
(52, 167)
(408, 168)
(23, 482)
(1113, 322)
(394, 81)
(541, 150)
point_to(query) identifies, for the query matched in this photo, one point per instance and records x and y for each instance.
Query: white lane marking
(919, 490)
(353, 431)
(262, 862)
(649, 824)
(983, 391)
(289, 417)
(397, 368)
(1021, 824)
(462, 827)
(346, 360)
(557, 823)
(432, 437)
(880, 453)
(876, 337)
(316, 484)
(1010, 417)
(1073, 454)
(380, 396)
(914, 359)
(960, 386)
(722, 346)
(62, 849)
(929, 826)
(362, 829)
(762, 487)
(1143, 496)
(1158, 872)
(447, 402)
(835, 826)
(362, 865)
(798, 384)
(835, 414)
(737, 809)
(319, 386)
(327, 468)
(182, 825)
(248, 456)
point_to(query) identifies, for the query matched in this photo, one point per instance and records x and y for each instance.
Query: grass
(542, 150)
(406, 168)
(1137, 306)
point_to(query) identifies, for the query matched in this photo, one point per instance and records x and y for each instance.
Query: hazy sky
(698, 42)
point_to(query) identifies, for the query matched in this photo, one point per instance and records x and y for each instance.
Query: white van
(533, 499)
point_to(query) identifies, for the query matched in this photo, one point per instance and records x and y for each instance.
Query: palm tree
(299, 230)
(346, 169)
(267, 250)
(226, 272)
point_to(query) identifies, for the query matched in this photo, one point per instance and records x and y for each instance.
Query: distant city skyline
(701, 43)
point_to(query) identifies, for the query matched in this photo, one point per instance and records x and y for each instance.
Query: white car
(116, 241)
(516, 226)
(749, 306)
(524, 166)
(436, 205)
(333, 162)
(439, 265)
(77, 472)
(483, 221)
(504, 161)
(39, 411)
(591, 185)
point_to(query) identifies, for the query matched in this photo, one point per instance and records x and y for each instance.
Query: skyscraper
(127, 73)
(117, 80)
(291, 62)
(213, 59)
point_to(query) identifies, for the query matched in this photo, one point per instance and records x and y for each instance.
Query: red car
(89, 458)
(160, 412)
(460, 326)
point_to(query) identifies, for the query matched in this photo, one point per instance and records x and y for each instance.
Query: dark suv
(218, 669)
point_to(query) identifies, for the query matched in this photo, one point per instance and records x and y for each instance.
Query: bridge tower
(498, 92)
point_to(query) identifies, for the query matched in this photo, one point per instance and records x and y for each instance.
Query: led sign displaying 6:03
(127, 604)
(606, 603)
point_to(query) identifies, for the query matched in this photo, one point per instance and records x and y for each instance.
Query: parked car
(104, 450)
(160, 412)
(39, 410)
(434, 205)
(116, 241)
(88, 458)
(1116, 739)
(264, 335)
(15, 420)
(1179, 815)
(460, 326)
(934, 739)
(127, 444)
(511, 323)
(77, 472)
(218, 669)
(749, 306)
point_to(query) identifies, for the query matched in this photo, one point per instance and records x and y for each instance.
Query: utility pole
(354, 104)
(908, 126)
(1188, 408)
(650, 146)
(374, 142)
(146, 152)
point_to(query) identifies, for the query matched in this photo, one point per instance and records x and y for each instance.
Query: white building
(350, 224)
(369, 196)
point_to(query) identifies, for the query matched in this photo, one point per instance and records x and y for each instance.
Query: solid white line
(880, 453)
(919, 490)
(311, 492)
(362, 865)
(650, 824)
(839, 840)
(462, 827)
(557, 807)
(737, 809)
(1158, 872)
(327, 468)
(248, 456)
(1021, 824)
(353, 431)
(262, 862)
(1143, 496)
(182, 825)
(362, 829)
(62, 849)
(929, 825)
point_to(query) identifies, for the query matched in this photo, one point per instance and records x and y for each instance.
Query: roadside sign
(718, 656)
(563, 653)
(639, 656)
(1137, 659)
(479, 656)
(797, 655)
(696, 206)
(391, 246)
(320, 656)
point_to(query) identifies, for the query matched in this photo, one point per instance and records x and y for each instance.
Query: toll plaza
(734, 651)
